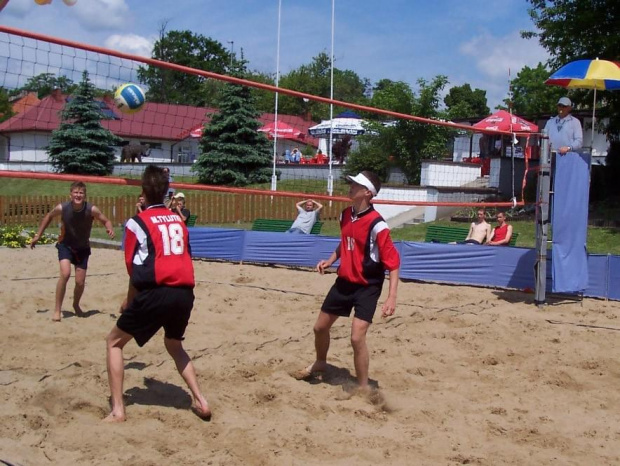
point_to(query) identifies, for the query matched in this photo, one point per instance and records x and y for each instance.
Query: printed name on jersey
(165, 218)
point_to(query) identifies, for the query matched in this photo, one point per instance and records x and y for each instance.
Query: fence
(210, 207)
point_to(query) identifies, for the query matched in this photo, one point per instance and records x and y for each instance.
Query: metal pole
(232, 52)
(330, 177)
(543, 220)
(274, 176)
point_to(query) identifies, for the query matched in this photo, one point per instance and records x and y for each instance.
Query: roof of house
(25, 101)
(155, 121)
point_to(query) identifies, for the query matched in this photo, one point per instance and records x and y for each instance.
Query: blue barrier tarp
(216, 243)
(468, 264)
(460, 264)
(571, 187)
(614, 278)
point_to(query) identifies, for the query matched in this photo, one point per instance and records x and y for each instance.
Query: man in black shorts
(160, 292)
(73, 245)
(365, 251)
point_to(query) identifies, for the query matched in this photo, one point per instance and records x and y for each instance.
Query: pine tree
(232, 151)
(81, 144)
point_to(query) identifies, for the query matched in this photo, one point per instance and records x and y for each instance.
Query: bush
(18, 237)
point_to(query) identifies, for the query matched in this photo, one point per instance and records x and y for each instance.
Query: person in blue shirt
(308, 214)
(564, 130)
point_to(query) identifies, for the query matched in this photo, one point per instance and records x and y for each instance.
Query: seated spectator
(287, 156)
(141, 204)
(295, 155)
(479, 231)
(178, 207)
(321, 158)
(306, 218)
(502, 233)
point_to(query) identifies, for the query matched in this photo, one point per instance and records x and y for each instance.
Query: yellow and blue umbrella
(601, 75)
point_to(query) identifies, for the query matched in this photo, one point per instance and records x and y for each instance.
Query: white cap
(360, 178)
(565, 101)
(178, 195)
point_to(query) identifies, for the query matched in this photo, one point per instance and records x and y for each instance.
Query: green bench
(280, 225)
(449, 234)
(191, 221)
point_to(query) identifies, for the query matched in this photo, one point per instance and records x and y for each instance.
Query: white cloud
(495, 57)
(103, 14)
(130, 43)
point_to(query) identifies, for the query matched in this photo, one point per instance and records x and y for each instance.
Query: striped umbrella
(601, 75)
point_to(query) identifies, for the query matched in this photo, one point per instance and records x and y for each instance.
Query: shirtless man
(479, 231)
(73, 245)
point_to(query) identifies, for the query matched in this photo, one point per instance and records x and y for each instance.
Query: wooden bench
(280, 225)
(191, 221)
(449, 234)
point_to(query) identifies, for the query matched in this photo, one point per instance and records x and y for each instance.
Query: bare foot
(78, 310)
(310, 372)
(56, 316)
(113, 417)
(201, 409)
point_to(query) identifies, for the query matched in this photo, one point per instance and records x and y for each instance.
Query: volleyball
(129, 98)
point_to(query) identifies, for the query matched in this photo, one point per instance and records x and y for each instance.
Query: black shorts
(78, 257)
(344, 296)
(155, 308)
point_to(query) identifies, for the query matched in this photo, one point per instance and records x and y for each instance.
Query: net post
(542, 221)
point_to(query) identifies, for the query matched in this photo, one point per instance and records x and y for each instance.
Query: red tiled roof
(25, 102)
(155, 121)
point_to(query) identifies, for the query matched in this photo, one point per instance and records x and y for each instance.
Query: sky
(468, 41)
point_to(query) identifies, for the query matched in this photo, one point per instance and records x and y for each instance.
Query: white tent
(346, 123)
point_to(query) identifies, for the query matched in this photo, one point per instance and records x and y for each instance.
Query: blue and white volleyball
(129, 98)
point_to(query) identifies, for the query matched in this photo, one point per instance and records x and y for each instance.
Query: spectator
(306, 216)
(479, 231)
(141, 204)
(502, 233)
(564, 130)
(178, 206)
(295, 156)
(171, 190)
(321, 158)
(287, 156)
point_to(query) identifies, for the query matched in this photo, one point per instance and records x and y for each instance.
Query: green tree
(264, 100)
(315, 79)
(81, 144)
(404, 143)
(187, 49)
(233, 152)
(463, 102)
(43, 84)
(576, 29)
(6, 111)
(530, 95)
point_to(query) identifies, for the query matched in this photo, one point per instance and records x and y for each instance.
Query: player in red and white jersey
(157, 249)
(366, 252)
(160, 293)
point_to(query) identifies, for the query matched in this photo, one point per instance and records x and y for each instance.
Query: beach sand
(465, 375)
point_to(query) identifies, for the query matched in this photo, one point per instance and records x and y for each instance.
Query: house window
(152, 145)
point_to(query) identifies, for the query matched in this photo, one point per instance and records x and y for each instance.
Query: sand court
(464, 375)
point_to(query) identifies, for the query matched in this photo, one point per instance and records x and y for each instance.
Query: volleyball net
(299, 155)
